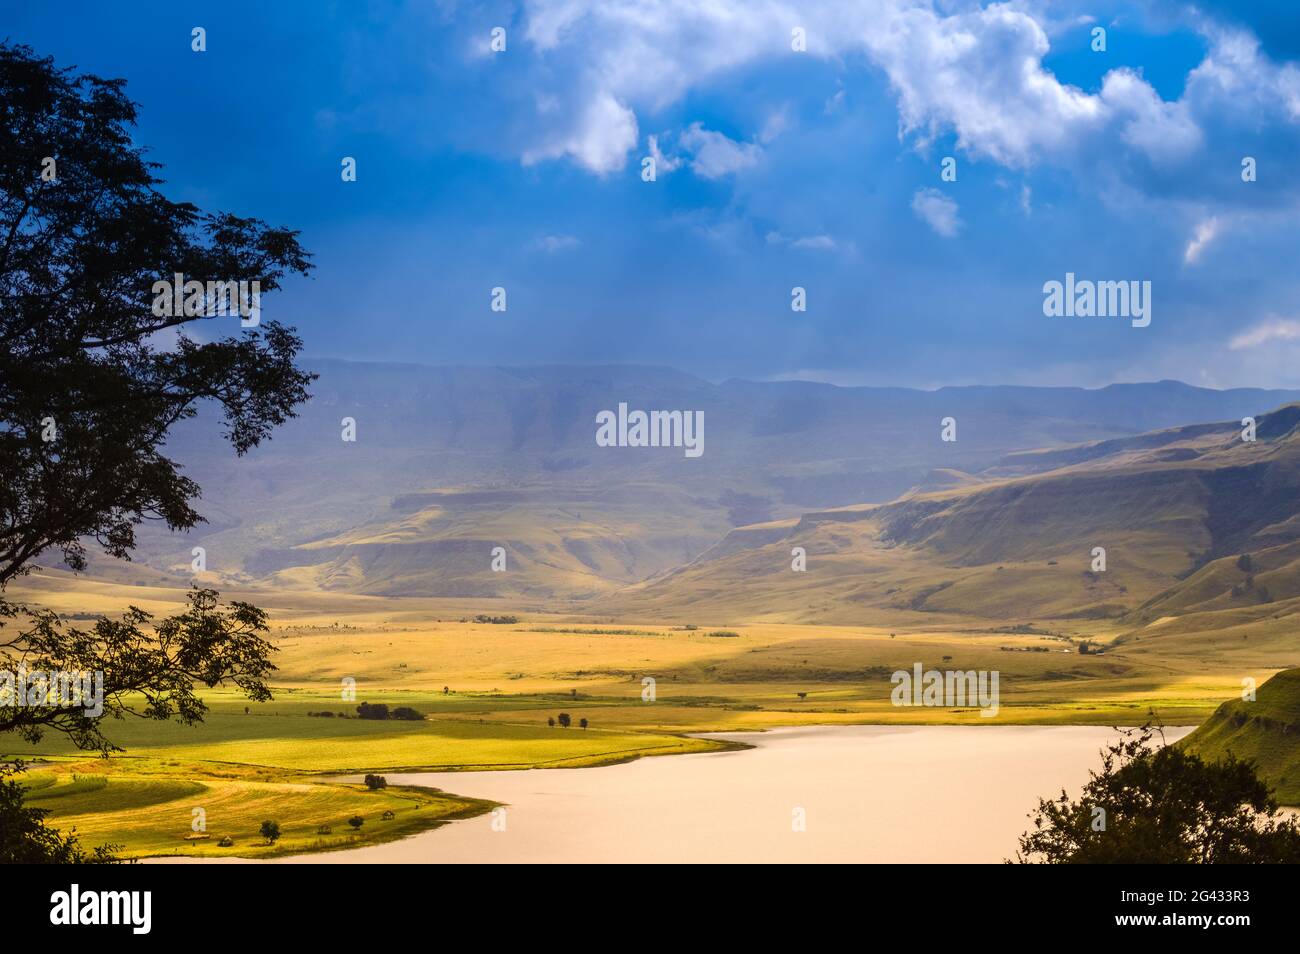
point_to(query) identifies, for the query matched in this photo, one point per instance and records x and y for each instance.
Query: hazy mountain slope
(1023, 547)
(578, 519)
(559, 543)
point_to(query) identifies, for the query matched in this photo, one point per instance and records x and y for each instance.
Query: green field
(487, 691)
(147, 808)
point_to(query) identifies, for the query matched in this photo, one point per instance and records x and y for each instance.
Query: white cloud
(938, 211)
(1277, 329)
(713, 155)
(606, 129)
(814, 241)
(980, 74)
(1235, 76)
(963, 69)
(776, 124)
(1163, 131)
(663, 163)
(1202, 235)
(556, 243)
(823, 243)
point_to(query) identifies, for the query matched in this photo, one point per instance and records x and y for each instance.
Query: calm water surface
(865, 793)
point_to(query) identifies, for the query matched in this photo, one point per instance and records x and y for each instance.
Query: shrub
(1163, 806)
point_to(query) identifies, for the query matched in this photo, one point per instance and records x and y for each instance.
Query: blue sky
(776, 168)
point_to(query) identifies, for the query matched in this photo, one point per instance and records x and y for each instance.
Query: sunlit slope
(1265, 730)
(553, 544)
(1174, 519)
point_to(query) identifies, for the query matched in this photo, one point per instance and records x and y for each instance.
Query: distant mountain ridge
(450, 462)
(1189, 519)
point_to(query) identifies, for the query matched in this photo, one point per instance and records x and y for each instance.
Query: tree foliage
(80, 344)
(26, 839)
(1151, 805)
(149, 668)
(93, 379)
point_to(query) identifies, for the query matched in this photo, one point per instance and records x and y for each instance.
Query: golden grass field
(487, 690)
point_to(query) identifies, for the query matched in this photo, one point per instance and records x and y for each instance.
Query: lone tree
(92, 379)
(565, 719)
(356, 821)
(270, 831)
(1162, 806)
(582, 722)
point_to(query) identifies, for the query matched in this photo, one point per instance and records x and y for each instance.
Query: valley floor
(487, 691)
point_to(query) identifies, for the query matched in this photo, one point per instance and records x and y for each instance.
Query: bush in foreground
(1162, 806)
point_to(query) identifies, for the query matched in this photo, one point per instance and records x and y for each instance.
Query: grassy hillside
(1196, 520)
(1266, 730)
(449, 462)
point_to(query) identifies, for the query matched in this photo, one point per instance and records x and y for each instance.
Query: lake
(811, 794)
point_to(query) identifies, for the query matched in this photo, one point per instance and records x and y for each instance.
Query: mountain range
(449, 463)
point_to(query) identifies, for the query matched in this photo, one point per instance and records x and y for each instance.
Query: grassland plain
(487, 691)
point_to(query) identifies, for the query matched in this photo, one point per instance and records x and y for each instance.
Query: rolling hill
(1266, 730)
(1191, 519)
(449, 463)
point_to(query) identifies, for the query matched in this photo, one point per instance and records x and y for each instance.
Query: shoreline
(819, 762)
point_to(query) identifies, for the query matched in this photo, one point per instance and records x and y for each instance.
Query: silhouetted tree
(356, 821)
(582, 722)
(565, 719)
(26, 839)
(270, 831)
(89, 393)
(376, 782)
(1162, 806)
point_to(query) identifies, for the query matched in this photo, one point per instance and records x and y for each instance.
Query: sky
(776, 168)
